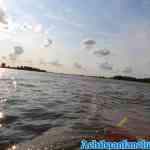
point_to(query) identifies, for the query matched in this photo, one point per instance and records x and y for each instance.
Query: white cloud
(106, 66)
(20, 33)
(78, 66)
(47, 42)
(102, 52)
(88, 44)
(18, 50)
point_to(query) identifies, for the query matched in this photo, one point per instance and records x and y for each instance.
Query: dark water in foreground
(65, 106)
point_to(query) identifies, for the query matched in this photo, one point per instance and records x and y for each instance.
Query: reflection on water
(1, 115)
(13, 147)
(66, 106)
(3, 100)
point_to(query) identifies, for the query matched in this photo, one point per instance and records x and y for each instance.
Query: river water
(54, 108)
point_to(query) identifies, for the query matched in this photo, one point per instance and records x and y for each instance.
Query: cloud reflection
(2, 72)
(1, 115)
(13, 147)
(3, 100)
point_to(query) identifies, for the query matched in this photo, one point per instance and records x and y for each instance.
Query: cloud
(127, 70)
(38, 28)
(55, 63)
(102, 52)
(88, 43)
(35, 29)
(78, 66)
(18, 50)
(47, 42)
(27, 26)
(3, 17)
(106, 66)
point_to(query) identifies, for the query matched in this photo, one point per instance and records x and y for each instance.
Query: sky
(90, 37)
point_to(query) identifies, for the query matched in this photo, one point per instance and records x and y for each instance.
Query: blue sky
(91, 37)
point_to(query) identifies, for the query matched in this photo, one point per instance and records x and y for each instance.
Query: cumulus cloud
(55, 63)
(36, 31)
(47, 42)
(78, 66)
(102, 52)
(18, 50)
(127, 70)
(89, 43)
(106, 66)
(38, 28)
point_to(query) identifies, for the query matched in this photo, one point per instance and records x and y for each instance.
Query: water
(51, 108)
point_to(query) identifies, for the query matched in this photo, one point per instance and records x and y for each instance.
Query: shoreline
(117, 77)
(25, 68)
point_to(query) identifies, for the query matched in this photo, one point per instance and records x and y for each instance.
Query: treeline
(28, 68)
(127, 78)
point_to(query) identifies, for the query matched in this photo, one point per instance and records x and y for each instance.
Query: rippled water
(63, 106)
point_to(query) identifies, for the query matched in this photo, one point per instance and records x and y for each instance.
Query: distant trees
(127, 78)
(3, 65)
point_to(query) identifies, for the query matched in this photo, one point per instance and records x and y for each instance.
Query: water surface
(65, 106)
